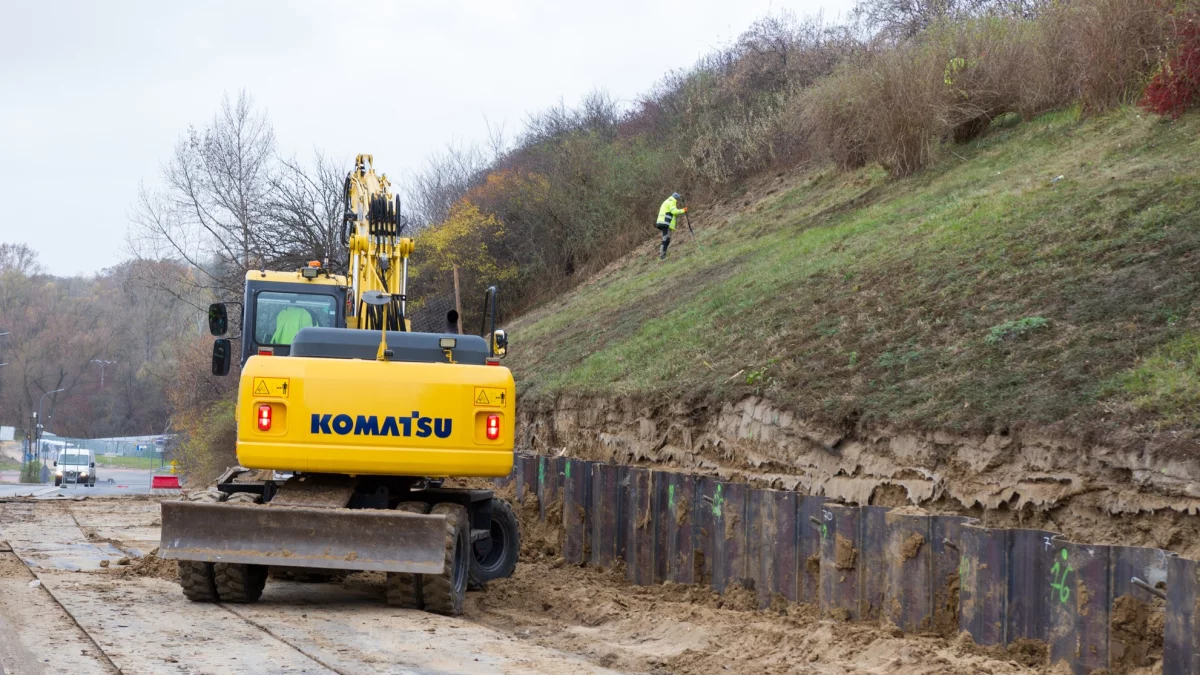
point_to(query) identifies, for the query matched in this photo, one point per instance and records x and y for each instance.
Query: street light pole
(102, 363)
(37, 432)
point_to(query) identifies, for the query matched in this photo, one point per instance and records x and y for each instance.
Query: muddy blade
(344, 539)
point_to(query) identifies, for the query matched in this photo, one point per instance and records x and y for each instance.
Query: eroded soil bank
(1096, 493)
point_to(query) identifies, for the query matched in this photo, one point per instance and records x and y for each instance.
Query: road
(112, 481)
(68, 606)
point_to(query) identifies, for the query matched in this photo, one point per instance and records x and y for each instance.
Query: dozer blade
(343, 539)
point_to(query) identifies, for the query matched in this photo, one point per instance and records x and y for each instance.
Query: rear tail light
(264, 418)
(493, 427)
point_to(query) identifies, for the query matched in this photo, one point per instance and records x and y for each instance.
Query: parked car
(77, 466)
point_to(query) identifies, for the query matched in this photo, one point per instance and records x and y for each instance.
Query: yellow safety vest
(667, 213)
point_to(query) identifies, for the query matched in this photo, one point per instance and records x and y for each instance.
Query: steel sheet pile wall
(1088, 604)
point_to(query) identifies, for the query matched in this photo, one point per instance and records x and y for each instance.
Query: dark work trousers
(666, 240)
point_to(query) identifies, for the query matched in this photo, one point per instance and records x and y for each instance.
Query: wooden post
(457, 300)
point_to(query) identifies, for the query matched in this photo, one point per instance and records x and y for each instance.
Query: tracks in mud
(130, 619)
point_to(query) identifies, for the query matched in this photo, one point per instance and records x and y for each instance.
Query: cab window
(279, 316)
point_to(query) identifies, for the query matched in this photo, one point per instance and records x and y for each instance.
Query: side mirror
(92, 465)
(54, 463)
(222, 357)
(218, 319)
(500, 343)
(452, 322)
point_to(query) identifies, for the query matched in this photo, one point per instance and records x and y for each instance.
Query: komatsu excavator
(347, 425)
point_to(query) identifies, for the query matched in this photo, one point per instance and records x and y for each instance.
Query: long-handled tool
(688, 219)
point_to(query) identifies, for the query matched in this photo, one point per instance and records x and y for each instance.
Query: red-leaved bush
(1176, 86)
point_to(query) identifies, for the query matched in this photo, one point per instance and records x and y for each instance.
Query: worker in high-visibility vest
(668, 213)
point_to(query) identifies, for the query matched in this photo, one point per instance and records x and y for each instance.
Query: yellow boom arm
(378, 254)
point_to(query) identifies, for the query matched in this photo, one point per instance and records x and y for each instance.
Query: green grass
(8, 464)
(125, 462)
(983, 292)
(1167, 383)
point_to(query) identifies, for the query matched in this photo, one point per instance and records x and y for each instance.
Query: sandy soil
(36, 634)
(550, 617)
(691, 630)
(126, 613)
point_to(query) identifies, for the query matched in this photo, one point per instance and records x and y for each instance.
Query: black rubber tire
(57, 482)
(240, 582)
(500, 560)
(404, 588)
(198, 579)
(444, 593)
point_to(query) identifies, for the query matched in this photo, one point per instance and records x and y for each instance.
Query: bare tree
(214, 209)
(447, 176)
(306, 214)
(903, 19)
(20, 259)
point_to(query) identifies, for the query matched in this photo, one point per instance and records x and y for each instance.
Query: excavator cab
(276, 306)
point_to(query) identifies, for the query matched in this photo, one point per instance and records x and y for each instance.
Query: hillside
(1043, 276)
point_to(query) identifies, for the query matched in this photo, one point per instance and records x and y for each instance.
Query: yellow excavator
(348, 424)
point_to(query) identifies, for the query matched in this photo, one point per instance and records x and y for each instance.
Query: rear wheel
(196, 578)
(404, 588)
(443, 593)
(240, 582)
(496, 556)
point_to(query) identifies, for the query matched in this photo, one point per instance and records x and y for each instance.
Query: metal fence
(124, 446)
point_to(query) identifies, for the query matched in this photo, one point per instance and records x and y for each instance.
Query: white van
(75, 465)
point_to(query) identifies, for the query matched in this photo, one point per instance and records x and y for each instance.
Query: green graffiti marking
(824, 531)
(542, 472)
(671, 496)
(1059, 574)
(717, 501)
(964, 566)
(568, 468)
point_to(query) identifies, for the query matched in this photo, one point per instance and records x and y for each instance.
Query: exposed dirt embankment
(1088, 492)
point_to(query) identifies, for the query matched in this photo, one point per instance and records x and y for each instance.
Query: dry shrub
(834, 112)
(1115, 45)
(952, 80)
(204, 411)
(887, 108)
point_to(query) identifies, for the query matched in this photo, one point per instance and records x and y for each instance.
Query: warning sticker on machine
(271, 386)
(489, 396)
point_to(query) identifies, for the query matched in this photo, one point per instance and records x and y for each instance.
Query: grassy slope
(852, 296)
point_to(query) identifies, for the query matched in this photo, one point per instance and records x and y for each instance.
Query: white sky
(94, 95)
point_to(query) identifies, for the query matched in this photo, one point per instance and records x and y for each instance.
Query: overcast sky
(93, 95)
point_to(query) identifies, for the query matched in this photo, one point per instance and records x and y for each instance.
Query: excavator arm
(372, 225)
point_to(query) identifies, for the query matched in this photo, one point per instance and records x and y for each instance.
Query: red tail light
(264, 418)
(493, 427)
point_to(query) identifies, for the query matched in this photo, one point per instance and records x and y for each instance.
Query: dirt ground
(691, 630)
(97, 607)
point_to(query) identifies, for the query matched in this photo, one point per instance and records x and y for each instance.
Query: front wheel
(495, 557)
(444, 593)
